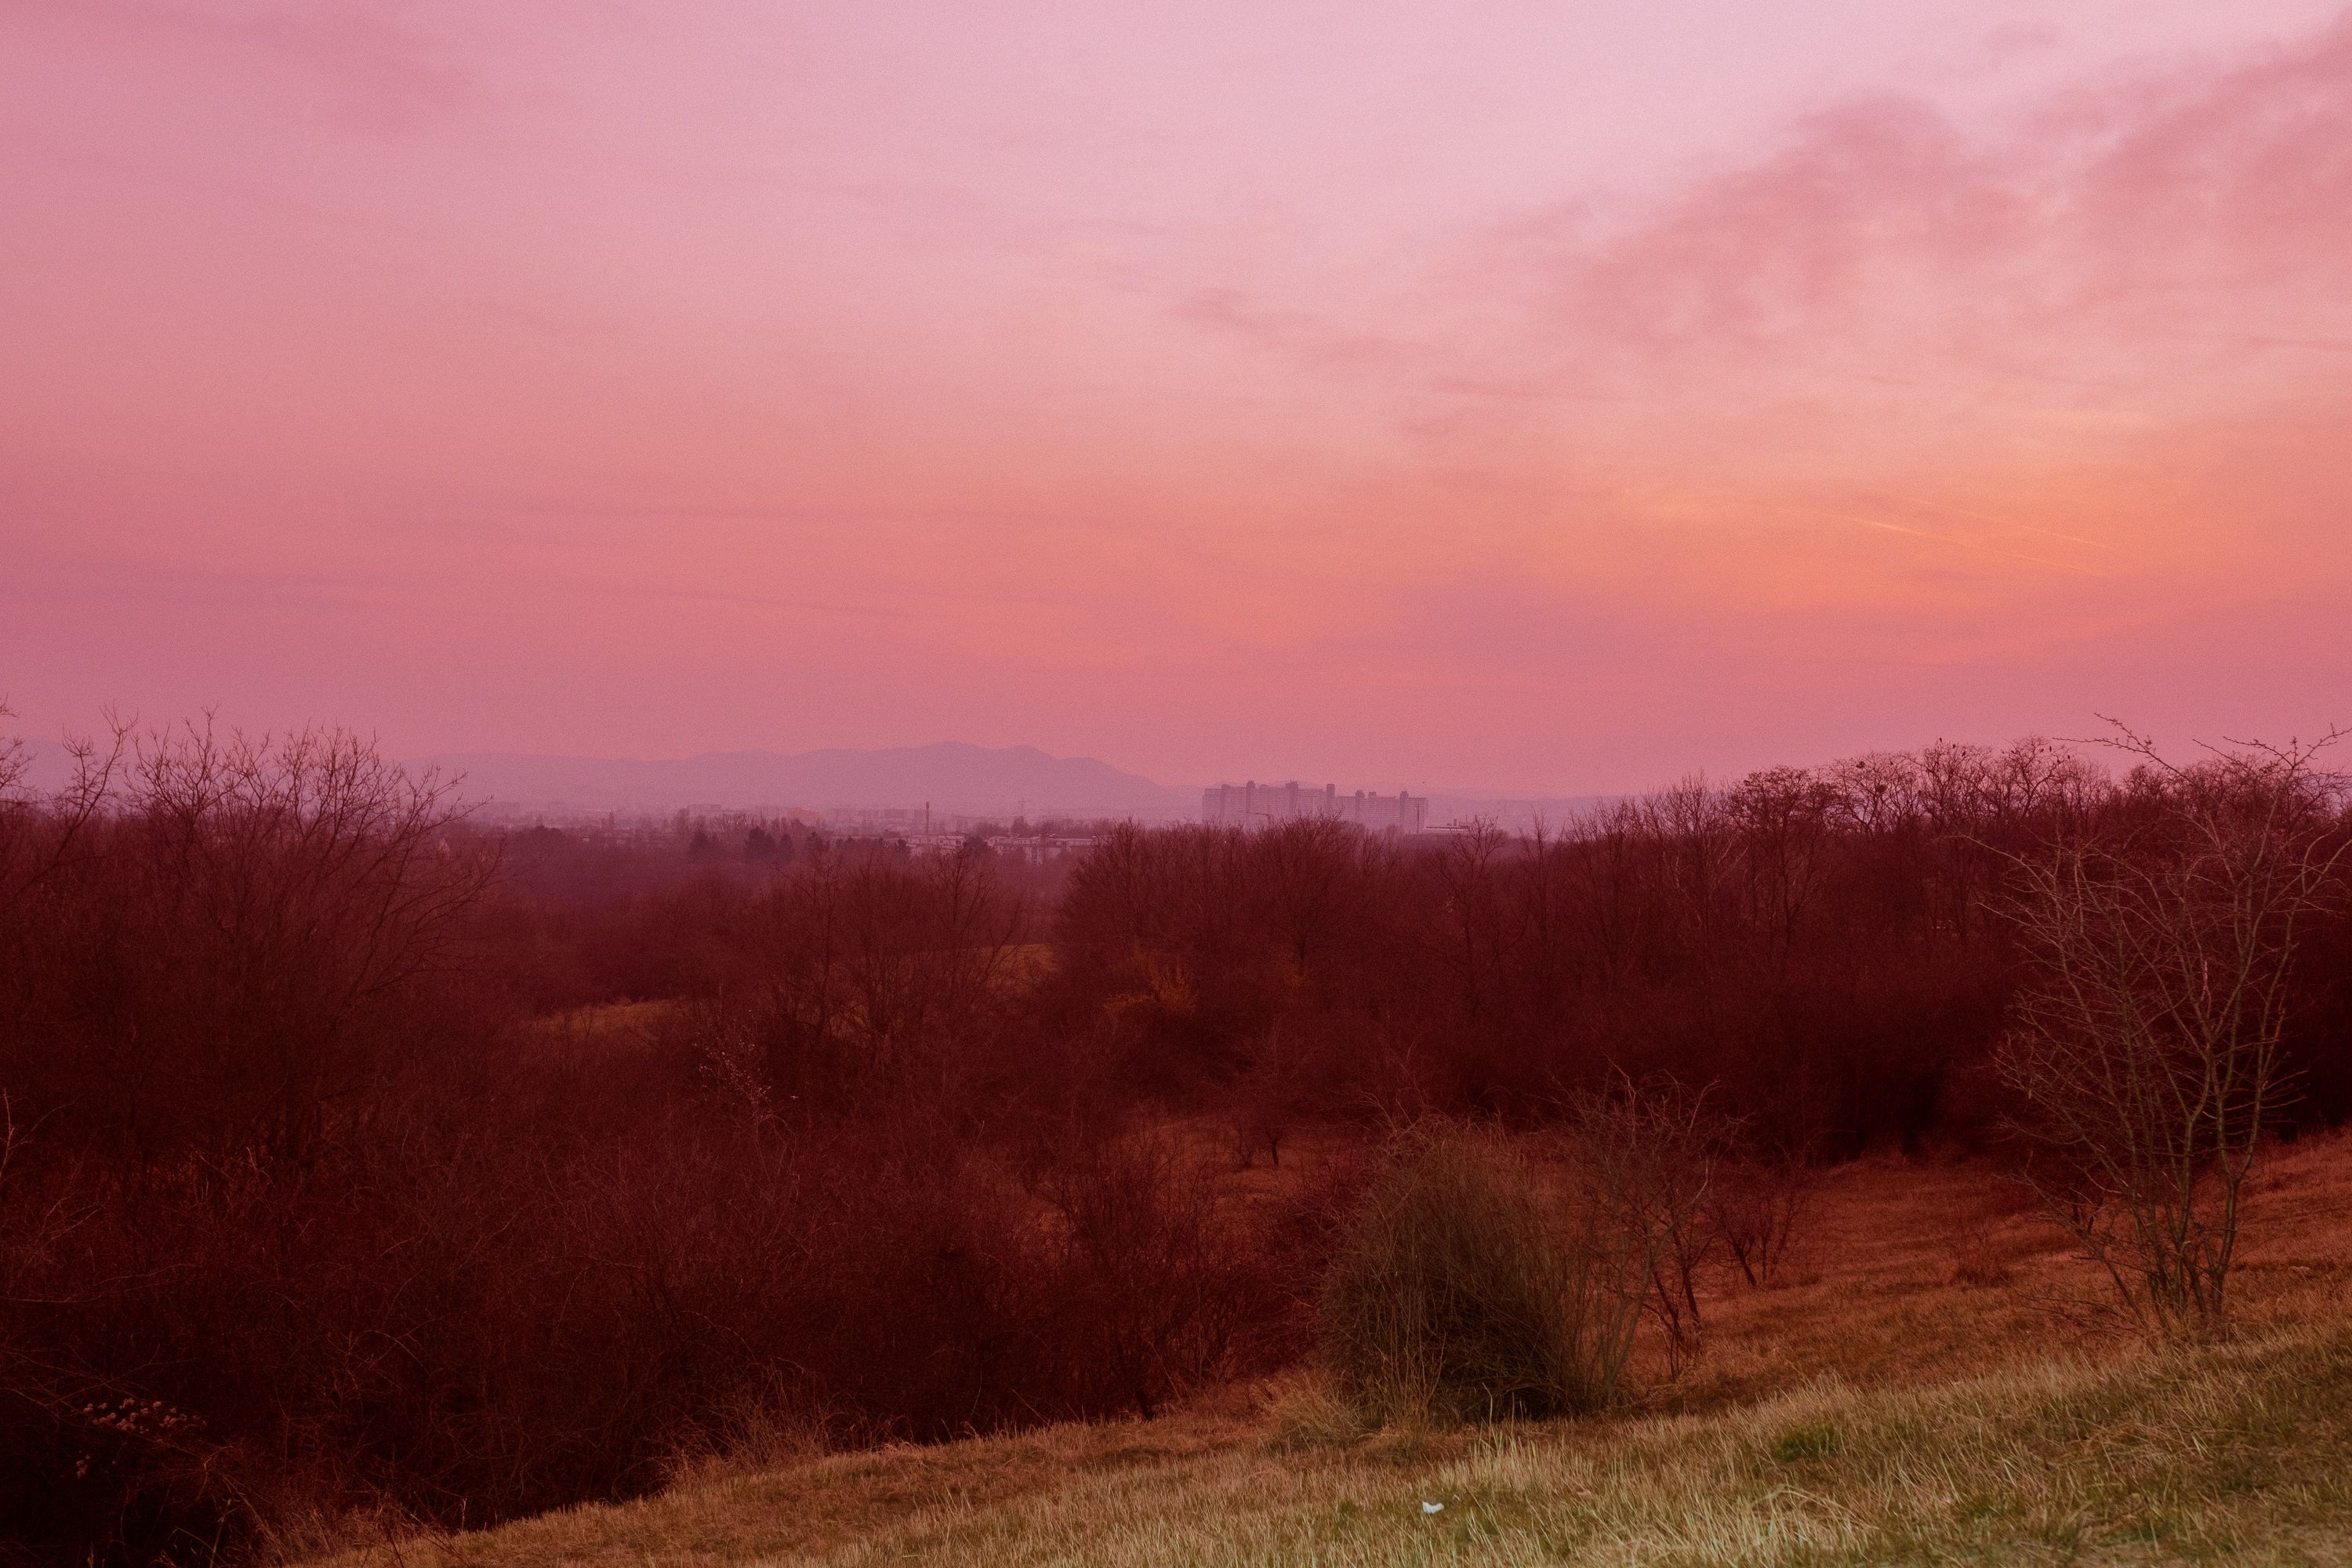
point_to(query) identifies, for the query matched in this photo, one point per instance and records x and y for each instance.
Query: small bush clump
(1453, 1295)
(1807, 1442)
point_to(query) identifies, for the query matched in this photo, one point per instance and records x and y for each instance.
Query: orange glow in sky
(1540, 397)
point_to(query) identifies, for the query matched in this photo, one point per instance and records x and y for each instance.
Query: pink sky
(1539, 397)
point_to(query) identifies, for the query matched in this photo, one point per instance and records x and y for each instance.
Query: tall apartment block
(1254, 804)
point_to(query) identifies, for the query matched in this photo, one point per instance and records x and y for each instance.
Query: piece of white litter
(1432, 1507)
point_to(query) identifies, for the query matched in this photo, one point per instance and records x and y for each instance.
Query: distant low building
(1254, 804)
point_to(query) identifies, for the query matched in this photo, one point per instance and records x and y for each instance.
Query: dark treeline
(1822, 945)
(325, 1196)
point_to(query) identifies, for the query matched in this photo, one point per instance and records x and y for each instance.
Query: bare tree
(1647, 1151)
(305, 882)
(225, 932)
(1469, 873)
(1268, 1100)
(42, 834)
(13, 761)
(1779, 820)
(1756, 1202)
(861, 970)
(2148, 1050)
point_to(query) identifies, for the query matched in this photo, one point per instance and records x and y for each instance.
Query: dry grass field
(1930, 1381)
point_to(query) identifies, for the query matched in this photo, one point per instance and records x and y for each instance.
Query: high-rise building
(1254, 804)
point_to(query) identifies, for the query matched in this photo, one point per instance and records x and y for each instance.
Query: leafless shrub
(2148, 1050)
(1155, 1274)
(1647, 1154)
(1756, 1202)
(1977, 1260)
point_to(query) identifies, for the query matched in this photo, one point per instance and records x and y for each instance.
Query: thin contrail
(2005, 522)
(1947, 539)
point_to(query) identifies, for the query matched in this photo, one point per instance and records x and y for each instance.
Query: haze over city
(1556, 401)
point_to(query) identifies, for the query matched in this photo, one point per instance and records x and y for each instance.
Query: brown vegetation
(1869, 1409)
(321, 1197)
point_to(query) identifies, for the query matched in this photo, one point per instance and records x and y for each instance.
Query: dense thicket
(316, 1197)
(1820, 945)
(306, 1210)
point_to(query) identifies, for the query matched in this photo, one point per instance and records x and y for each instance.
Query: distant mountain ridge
(951, 776)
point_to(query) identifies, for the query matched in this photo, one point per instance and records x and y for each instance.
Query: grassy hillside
(1924, 1388)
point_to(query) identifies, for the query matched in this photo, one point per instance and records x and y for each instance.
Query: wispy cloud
(374, 65)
